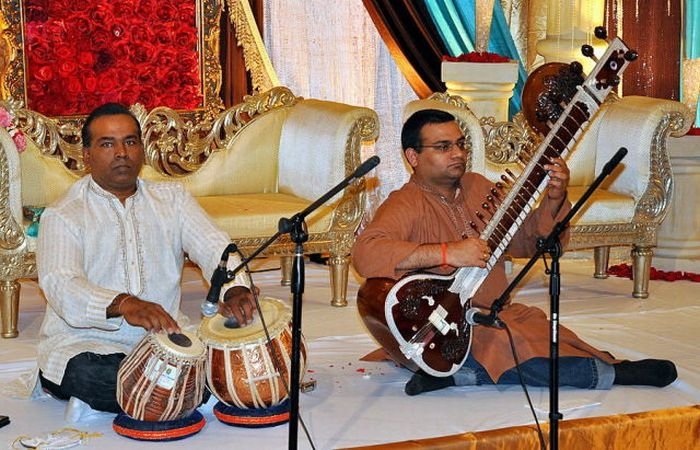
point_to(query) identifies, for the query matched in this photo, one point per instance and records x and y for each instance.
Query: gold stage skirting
(672, 429)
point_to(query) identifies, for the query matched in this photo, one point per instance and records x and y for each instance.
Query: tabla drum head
(221, 330)
(185, 344)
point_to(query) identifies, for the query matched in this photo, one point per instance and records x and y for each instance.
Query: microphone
(366, 166)
(474, 316)
(210, 306)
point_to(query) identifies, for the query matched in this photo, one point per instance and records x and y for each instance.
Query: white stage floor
(358, 403)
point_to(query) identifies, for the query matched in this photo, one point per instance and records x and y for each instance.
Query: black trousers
(90, 377)
(93, 379)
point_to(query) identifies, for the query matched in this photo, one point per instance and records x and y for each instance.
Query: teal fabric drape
(692, 38)
(456, 25)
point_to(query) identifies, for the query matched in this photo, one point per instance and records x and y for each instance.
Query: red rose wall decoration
(80, 54)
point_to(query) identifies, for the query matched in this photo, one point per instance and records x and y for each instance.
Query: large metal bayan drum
(163, 377)
(243, 369)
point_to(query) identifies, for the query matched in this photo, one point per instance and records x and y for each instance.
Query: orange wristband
(443, 254)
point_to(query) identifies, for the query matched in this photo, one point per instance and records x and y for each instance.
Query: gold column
(9, 307)
(339, 268)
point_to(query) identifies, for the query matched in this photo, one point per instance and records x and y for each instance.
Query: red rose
(186, 40)
(107, 82)
(476, 57)
(186, 13)
(146, 7)
(170, 79)
(121, 51)
(166, 12)
(101, 13)
(166, 58)
(142, 53)
(147, 97)
(100, 38)
(73, 85)
(90, 82)
(124, 8)
(140, 33)
(81, 26)
(40, 53)
(66, 68)
(64, 52)
(44, 73)
(86, 59)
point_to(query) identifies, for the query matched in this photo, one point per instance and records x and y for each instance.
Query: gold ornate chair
(248, 165)
(629, 207)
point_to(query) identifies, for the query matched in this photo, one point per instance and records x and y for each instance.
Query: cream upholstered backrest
(249, 161)
(629, 122)
(44, 178)
(308, 147)
(641, 117)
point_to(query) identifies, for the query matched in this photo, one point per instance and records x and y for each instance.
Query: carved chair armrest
(12, 236)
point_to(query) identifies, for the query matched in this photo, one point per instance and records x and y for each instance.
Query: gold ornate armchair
(248, 165)
(629, 207)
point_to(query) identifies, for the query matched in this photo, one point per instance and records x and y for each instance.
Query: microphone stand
(296, 228)
(552, 245)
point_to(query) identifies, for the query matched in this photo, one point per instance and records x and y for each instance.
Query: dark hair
(410, 133)
(108, 109)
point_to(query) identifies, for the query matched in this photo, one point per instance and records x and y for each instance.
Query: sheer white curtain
(331, 50)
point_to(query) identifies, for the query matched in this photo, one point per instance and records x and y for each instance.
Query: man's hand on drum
(148, 315)
(239, 302)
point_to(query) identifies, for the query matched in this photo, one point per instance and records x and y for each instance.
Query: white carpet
(359, 403)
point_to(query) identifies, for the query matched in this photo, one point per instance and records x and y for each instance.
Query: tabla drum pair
(159, 386)
(248, 374)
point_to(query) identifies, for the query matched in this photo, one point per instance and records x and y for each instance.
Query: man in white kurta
(110, 260)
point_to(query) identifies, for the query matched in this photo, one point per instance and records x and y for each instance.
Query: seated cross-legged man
(428, 225)
(110, 258)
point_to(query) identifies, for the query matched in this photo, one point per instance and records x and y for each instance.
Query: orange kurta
(412, 216)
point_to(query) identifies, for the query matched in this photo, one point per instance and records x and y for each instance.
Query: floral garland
(625, 271)
(82, 54)
(479, 57)
(7, 121)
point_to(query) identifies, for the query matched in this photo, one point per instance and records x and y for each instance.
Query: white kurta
(92, 248)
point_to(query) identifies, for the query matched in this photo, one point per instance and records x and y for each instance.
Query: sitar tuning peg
(631, 55)
(576, 67)
(600, 32)
(587, 51)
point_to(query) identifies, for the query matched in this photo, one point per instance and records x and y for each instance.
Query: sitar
(420, 320)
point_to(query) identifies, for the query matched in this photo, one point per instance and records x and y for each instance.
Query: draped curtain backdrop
(236, 82)
(412, 39)
(456, 23)
(332, 51)
(653, 29)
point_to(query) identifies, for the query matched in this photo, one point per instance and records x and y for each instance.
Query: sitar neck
(562, 137)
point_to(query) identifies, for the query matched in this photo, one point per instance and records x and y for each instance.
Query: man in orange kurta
(432, 224)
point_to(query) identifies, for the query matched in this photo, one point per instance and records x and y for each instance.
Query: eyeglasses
(444, 147)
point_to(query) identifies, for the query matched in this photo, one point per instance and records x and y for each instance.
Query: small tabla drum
(163, 378)
(243, 369)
